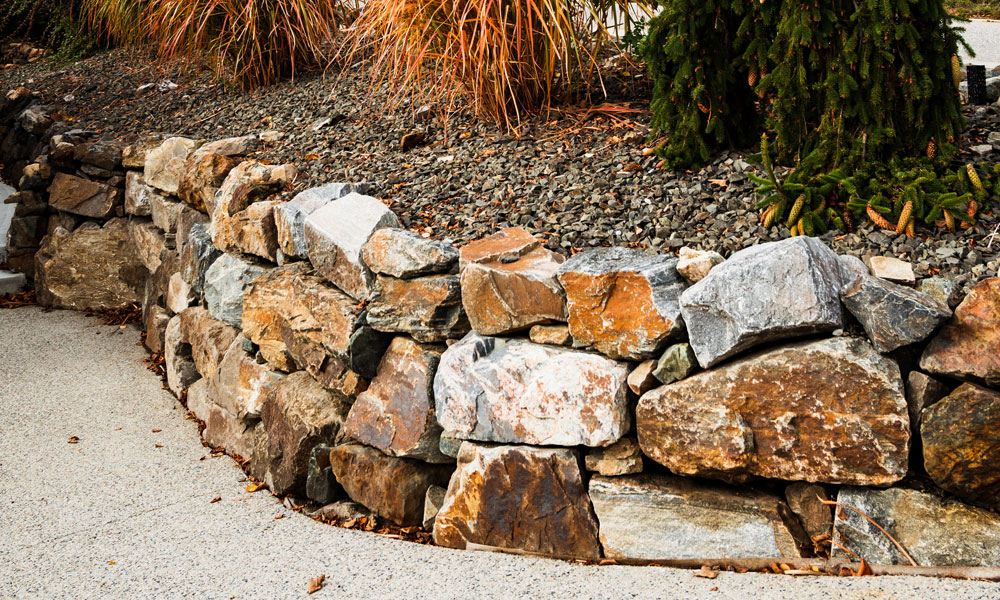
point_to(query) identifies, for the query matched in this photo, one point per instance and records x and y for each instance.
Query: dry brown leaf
(253, 487)
(157, 445)
(214, 500)
(157, 430)
(707, 572)
(72, 439)
(719, 182)
(316, 584)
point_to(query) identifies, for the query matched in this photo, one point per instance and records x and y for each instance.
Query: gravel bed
(573, 178)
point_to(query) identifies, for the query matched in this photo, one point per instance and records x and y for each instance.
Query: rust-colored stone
(518, 497)
(507, 244)
(83, 197)
(961, 437)
(829, 411)
(203, 174)
(396, 413)
(208, 337)
(390, 487)
(428, 308)
(968, 346)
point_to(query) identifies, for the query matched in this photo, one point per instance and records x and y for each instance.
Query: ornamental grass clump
(504, 60)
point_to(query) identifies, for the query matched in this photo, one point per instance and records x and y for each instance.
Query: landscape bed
(519, 385)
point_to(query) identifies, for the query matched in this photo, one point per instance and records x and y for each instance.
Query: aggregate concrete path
(984, 37)
(126, 511)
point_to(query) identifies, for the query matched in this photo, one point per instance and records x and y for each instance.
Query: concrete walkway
(126, 512)
(984, 37)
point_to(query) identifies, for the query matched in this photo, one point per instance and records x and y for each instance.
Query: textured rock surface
(506, 244)
(428, 308)
(298, 414)
(154, 323)
(892, 315)
(764, 293)
(396, 413)
(933, 531)
(390, 487)
(251, 231)
(678, 361)
(242, 383)
(827, 411)
(555, 335)
(134, 155)
(288, 300)
(335, 235)
(694, 265)
(91, 268)
(404, 254)
(520, 497)
(83, 197)
(622, 301)
(891, 269)
(209, 339)
(290, 217)
(513, 391)
(222, 428)
(961, 437)
(178, 363)
(204, 173)
(921, 392)
(621, 458)
(148, 241)
(433, 501)
(942, 289)
(164, 165)
(641, 379)
(225, 281)
(321, 485)
(179, 294)
(242, 219)
(197, 254)
(663, 517)
(164, 212)
(806, 501)
(966, 347)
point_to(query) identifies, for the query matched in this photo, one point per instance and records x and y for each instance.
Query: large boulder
(933, 531)
(197, 252)
(298, 414)
(138, 195)
(769, 292)
(204, 172)
(226, 281)
(148, 241)
(514, 391)
(827, 411)
(504, 291)
(222, 428)
(242, 219)
(404, 254)
(428, 308)
(164, 165)
(334, 237)
(91, 268)
(241, 384)
(518, 497)
(83, 197)
(622, 301)
(391, 487)
(290, 217)
(396, 413)
(209, 339)
(103, 154)
(966, 347)
(665, 517)
(893, 316)
(961, 438)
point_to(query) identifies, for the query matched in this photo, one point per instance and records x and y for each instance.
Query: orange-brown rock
(961, 437)
(968, 346)
(623, 302)
(391, 487)
(428, 308)
(83, 197)
(242, 383)
(507, 244)
(829, 411)
(518, 497)
(208, 337)
(241, 220)
(251, 231)
(203, 174)
(287, 297)
(396, 413)
(331, 371)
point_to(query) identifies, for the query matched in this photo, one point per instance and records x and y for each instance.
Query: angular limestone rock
(226, 281)
(432, 505)
(621, 458)
(390, 487)
(694, 265)
(134, 155)
(513, 391)
(290, 217)
(155, 324)
(892, 269)
(806, 501)
(428, 308)
(828, 411)
(678, 361)
(507, 244)
(922, 391)
(197, 254)
(641, 379)
(892, 315)
(404, 254)
(335, 235)
(148, 241)
(91, 268)
(764, 293)
(961, 437)
(664, 517)
(966, 347)
(396, 413)
(298, 414)
(241, 219)
(164, 165)
(104, 154)
(518, 497)
(251, 231)
(165, 212)
(935, 532)
(242, 383)
(209, 339)
(204, 173)
(222, 429)
(321, 485)
(288, 299)
(179, 294)
(83, 197)
(622, 301)
(178, 363)
(554, 335)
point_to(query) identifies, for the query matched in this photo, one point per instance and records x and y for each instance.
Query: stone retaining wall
(610, 404)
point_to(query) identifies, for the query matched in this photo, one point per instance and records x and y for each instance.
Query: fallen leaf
(111, 562)
(157, 430)
(311, 156)
(316, 584)
(608, 561)
(707, 572)
(719, 182)
(157, 445)
(72, 439)
(253, 487)
(276, 517)
(632, 167)
(214, 500)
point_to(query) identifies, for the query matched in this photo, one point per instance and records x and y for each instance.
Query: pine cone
(974, 178)
(949, 220)
(904, 217)
(793, 215)
(931, 148)
(878, 219)
(911, 228)
(753, 77)
(956, 70)
(848, 220)
(770, 216)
